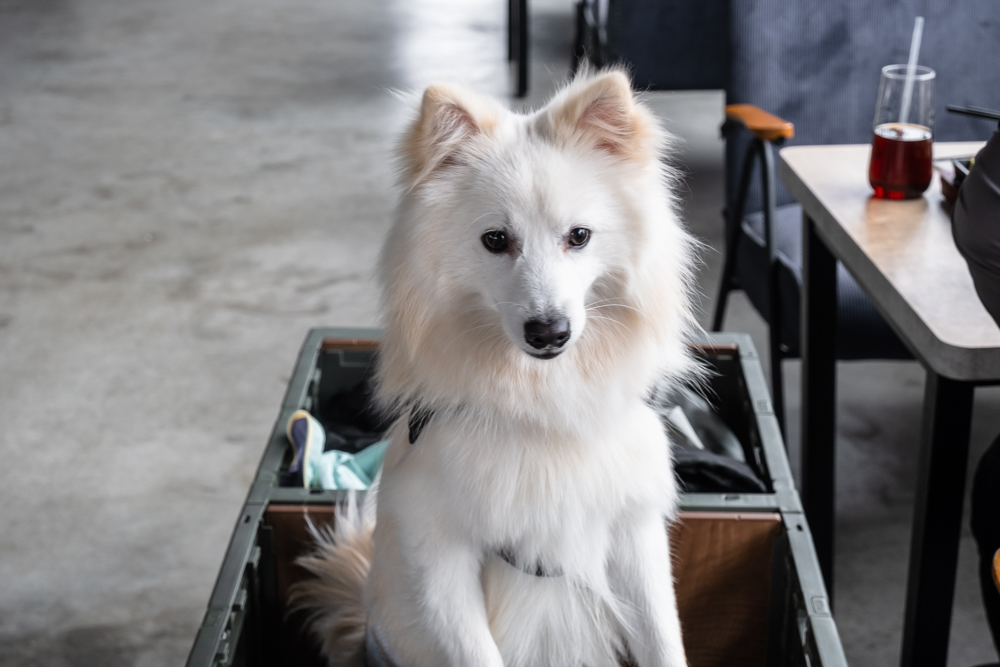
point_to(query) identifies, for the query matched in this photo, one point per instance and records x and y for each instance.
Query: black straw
(976, 111)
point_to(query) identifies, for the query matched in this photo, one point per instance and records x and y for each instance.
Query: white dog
(536, 286)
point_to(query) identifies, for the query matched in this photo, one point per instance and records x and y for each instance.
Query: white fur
(559, 459)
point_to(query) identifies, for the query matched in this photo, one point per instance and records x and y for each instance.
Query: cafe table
(902, 255)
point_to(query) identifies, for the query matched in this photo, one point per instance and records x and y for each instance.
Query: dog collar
(375, 653)
(536, 569)
(419, 416)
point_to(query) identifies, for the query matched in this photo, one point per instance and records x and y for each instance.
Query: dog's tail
(334, 598)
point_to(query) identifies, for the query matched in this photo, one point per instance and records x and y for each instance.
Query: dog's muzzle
(547, 336)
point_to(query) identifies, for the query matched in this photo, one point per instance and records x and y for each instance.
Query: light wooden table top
(902, 254)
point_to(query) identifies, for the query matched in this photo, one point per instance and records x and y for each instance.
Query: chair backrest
(817, 64)
(669, 45)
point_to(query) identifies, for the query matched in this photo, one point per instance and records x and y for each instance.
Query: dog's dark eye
(579, 237)
(495, 241)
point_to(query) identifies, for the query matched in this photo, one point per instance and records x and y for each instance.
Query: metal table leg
(937, 521)
(819, 393)
(517, 42)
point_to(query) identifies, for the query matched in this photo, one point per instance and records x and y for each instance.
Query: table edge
(943, 358)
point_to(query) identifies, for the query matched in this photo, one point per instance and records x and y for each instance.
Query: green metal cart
(748, 583)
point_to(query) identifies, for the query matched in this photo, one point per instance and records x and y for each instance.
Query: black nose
(546, 333)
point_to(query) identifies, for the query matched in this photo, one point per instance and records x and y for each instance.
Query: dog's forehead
(541, 184)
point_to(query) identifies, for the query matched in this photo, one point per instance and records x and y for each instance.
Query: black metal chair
(764, 255)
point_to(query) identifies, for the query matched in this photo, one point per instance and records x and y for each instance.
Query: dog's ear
(600, 111)
(450, 119)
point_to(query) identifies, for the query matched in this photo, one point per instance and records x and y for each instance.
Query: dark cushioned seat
(862, 333)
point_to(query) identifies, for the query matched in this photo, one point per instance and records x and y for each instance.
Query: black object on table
(976, 218)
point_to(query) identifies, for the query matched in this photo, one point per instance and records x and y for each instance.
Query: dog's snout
(541, 334)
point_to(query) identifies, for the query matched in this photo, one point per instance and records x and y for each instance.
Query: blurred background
(186, 188)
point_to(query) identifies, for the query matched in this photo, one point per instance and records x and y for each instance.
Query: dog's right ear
(450, 119)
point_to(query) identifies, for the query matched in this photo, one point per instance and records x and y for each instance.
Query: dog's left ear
(600, 111)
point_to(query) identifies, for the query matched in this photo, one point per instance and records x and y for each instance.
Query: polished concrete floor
(186, 188)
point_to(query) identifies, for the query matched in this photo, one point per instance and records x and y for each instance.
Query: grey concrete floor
(186, 188)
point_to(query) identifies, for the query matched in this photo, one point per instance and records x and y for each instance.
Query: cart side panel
(722, 571)
(723, 581)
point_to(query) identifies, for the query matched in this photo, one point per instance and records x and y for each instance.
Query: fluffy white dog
(536, 286)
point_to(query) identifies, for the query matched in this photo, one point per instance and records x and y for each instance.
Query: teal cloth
(339, 470)
(332, 469)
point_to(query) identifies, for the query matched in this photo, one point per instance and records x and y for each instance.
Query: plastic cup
(900, 166)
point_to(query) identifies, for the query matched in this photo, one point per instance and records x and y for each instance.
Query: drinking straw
(911, 69)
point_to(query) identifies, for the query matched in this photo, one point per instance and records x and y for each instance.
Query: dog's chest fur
(558, 500)
(550, 498)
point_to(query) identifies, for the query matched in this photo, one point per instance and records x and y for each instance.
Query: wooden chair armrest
(762, 124)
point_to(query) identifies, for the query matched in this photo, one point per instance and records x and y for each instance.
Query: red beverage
(900, 167)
